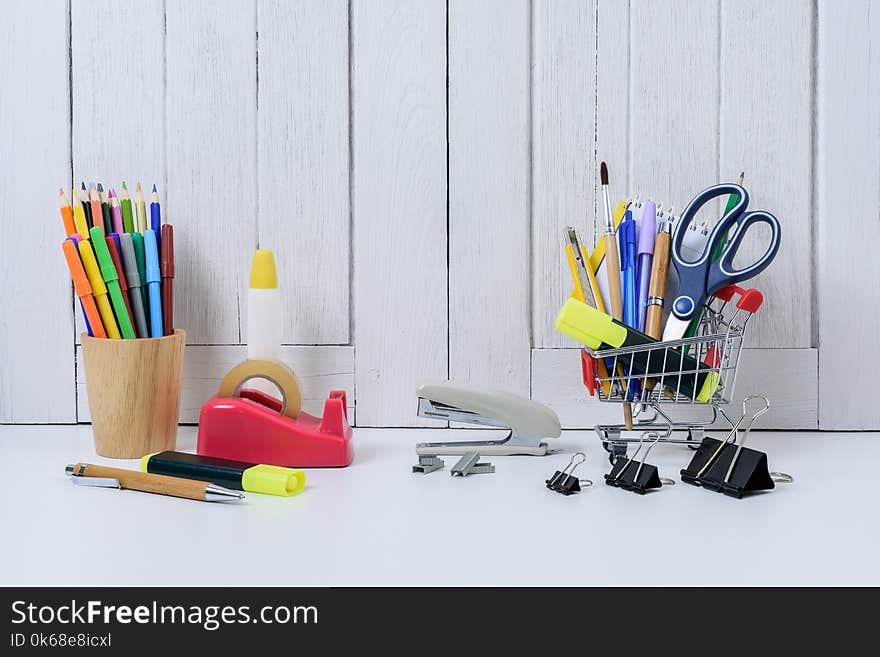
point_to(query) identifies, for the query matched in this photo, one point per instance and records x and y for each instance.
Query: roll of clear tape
(272, 370)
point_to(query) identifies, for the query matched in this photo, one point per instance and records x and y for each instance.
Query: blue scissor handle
(701, 278)
(722, 273)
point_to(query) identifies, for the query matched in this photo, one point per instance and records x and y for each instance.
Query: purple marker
(647, 233)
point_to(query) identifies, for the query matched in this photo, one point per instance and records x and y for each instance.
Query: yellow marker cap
(588, 326)
(145, 460)
(273, 479)
(263, 274)
(93, 272)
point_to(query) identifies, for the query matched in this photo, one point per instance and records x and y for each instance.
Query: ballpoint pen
(154, 283)
(99, 289)
(628, 257)
(647, 237)
(111, 279)
(133, 278)
(86, 474)
(82, 288)
(612, 265)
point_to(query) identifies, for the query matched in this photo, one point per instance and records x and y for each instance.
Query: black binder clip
(637, 476)
(564, 482)
(727, 466)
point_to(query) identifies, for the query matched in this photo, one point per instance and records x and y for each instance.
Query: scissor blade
(675, 328)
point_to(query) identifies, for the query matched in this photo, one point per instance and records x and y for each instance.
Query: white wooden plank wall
(303, 163)
(399, 205)
(36, 323)
(489, 303)
(848, 197)
(413, 163)
(211, 147)
(563, 150)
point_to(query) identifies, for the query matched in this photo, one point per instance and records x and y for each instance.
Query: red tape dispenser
(248, 425)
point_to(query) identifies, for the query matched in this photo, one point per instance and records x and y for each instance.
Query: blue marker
(154, 283)
(628, 260)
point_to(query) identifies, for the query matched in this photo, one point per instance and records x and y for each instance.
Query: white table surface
(376, 523)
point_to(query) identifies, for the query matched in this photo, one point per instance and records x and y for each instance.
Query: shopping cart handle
(588, 371)
(750, 300)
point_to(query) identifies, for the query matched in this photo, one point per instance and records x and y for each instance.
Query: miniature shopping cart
(695, 374)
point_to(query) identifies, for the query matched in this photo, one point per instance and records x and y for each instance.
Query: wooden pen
(86, 474)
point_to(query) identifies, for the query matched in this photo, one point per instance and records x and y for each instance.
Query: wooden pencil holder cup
(134, 393)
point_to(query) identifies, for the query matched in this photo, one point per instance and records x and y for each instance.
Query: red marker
(166, 265)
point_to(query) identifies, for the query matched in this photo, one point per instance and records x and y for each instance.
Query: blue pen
(628, 258)
(156, 217)
(85, 316)
(154, 282)
(647, 234)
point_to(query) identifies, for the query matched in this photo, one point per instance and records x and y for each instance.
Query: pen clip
(80, 479)
(101, 482)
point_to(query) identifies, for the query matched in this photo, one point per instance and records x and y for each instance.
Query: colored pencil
(79, 215)
(141, 208)
(116, 213)
(66, 213)
(105, 209)
(125, 203)
(86, 208)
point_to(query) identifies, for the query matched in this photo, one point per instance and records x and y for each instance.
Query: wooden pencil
(66, 213)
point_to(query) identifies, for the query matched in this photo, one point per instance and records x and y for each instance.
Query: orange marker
(82, 288)
(66, 213)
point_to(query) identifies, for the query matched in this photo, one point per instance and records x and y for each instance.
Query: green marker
(141, 256)
(111, 278)
(127, 216)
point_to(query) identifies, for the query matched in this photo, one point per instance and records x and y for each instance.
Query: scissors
(701, 278)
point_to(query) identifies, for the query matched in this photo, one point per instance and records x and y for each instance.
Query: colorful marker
(113, 247)
(82, 288)
(154, 283)
(133, 278)
(111, 278)
(99, 289)
(137, 241)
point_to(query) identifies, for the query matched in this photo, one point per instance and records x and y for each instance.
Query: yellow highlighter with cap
(99, 289)
(234, 475)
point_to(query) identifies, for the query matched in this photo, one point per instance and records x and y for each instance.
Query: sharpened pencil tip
(60, 191)
(124, 186)
(83, 185)
(603, 172)
(138, 188)
(154, 187)
(100, 188)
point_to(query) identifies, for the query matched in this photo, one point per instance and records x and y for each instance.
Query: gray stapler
(529, 422)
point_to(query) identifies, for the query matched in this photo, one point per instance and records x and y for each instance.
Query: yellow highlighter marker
(99, 289)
